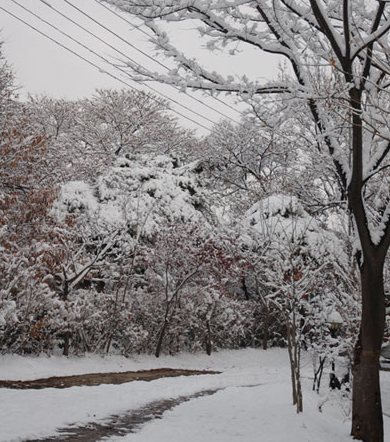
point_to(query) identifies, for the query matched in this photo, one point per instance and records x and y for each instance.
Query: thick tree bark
(367, 421)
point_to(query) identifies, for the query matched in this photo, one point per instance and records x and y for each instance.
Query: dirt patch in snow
(93, 379)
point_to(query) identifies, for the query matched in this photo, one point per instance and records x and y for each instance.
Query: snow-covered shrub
(293, 260)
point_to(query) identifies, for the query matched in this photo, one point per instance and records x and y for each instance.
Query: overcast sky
(43, 67)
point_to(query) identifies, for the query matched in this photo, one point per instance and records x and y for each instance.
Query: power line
(157, 61)
(116, 67)
(98, 67)
(126, 56)
(135, 48)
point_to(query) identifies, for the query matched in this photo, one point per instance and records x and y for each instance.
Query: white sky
(43, 67)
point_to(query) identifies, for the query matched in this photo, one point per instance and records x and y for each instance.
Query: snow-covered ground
(254, 402)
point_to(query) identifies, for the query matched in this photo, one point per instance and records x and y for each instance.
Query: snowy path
(131, 422)
(253, 402)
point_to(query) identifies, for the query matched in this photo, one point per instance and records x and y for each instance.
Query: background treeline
(120, 231)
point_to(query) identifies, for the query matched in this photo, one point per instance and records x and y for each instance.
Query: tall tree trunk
(367, 420)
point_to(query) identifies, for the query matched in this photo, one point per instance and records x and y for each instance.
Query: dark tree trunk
(318, 375)
(293, 346)
(161, 338)
(209, 345)
(64, 296)
(265, 328)
(66, 344)
(367, 421)
(299, 394)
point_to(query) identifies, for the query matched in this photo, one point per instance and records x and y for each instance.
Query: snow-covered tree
(190, 264)
(138, 193)
(87, 136)
(348, 42)
(127, 122)
(121, 220)
(291, 268)
(7, 85)
(28, 236)
(247, 162)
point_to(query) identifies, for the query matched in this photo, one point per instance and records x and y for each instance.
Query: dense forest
(123, 232)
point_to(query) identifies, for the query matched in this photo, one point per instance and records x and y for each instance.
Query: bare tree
(125, 122)
(188, 261)
(349, 40)
(98, 130)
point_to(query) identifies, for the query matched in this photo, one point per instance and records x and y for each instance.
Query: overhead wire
(125, 55)
(100, 69)
(118, 68)
(133, 46)
(138, 28)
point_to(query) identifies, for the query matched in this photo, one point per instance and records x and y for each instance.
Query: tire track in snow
(120, 425)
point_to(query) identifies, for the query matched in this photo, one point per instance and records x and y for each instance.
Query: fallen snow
(254, 404)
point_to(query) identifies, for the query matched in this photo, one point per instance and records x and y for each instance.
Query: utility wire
(135, 48)
(99, 68)
(125, 55)
(116, 67)
(138, 28)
